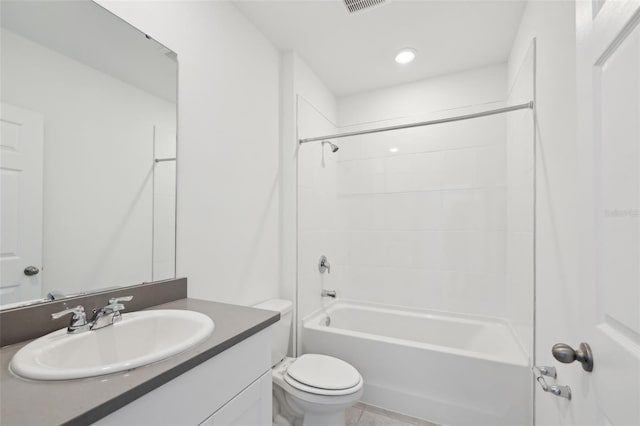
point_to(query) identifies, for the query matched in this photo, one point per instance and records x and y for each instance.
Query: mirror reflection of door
(21, 204)
(106, 94)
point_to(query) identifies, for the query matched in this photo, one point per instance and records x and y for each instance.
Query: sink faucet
(103, 317)
(78, 322)
(109, 314)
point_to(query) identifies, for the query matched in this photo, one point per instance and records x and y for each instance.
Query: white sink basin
(139, 339)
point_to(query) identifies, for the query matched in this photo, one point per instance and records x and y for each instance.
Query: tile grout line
(360, 416)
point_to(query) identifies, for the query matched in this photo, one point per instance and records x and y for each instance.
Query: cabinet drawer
(192, 397)
(251, 408)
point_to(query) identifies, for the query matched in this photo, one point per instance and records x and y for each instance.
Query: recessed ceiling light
(393, 150)
(405, 56)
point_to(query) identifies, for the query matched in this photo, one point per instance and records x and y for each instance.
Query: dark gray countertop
(84, 401)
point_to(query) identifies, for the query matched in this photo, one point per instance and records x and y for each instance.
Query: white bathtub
(446, 368)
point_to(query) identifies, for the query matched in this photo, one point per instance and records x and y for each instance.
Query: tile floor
(368, 415)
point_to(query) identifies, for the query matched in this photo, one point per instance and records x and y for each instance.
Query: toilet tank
(281, 329)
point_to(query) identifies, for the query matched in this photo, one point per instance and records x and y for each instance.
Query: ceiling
(353, 53)
(90, 34)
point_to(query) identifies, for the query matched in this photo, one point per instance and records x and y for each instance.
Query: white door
(608, 83)
(21, 143)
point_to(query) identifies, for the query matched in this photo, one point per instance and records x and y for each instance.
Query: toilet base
(288, 413)
(314, 414)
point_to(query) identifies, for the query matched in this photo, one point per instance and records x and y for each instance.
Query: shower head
(334, 147)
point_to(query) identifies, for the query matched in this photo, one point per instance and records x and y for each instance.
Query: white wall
(553, 26)
(228, 138)
(436, 94)
(97, 228)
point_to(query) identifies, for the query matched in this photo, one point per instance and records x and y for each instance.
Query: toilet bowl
(320, 399)
(313, 389)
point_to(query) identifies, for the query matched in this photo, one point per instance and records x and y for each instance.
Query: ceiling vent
(360, 5)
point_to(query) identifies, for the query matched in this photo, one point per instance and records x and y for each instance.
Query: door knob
(31, 270)
(566, 354)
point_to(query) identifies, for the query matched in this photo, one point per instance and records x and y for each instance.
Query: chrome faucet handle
(324, 265)
(78, 312)
(120, 299)
(112, 307)
(109, 314)
(78, 321)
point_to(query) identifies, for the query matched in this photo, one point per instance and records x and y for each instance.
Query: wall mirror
(87, 152)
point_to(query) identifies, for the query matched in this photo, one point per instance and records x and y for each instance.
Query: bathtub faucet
(328, 293)
(323, 265)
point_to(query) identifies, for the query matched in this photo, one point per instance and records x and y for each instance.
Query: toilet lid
(324, 372)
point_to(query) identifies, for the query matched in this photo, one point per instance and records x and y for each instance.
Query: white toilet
(311, 390)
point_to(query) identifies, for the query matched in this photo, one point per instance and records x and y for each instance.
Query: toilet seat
(318, 391)
(323, 375)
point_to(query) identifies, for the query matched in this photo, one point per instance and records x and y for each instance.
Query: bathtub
(445, 368)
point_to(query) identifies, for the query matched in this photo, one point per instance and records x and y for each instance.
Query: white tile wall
(424, 226)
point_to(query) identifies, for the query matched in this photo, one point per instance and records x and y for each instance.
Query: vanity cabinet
(251, 407)
(232, 388)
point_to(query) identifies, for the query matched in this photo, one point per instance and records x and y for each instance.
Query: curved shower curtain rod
(528, 105)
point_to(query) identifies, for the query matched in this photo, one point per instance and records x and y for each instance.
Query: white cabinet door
(20, 204)
(608, 77)
(252, 407)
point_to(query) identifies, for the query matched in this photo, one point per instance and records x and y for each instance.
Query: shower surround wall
(423, 213)
(423, 217)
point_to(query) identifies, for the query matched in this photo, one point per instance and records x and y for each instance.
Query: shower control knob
(323, 265)
(566, 354)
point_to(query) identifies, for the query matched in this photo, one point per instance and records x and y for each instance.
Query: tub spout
(329, 293)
